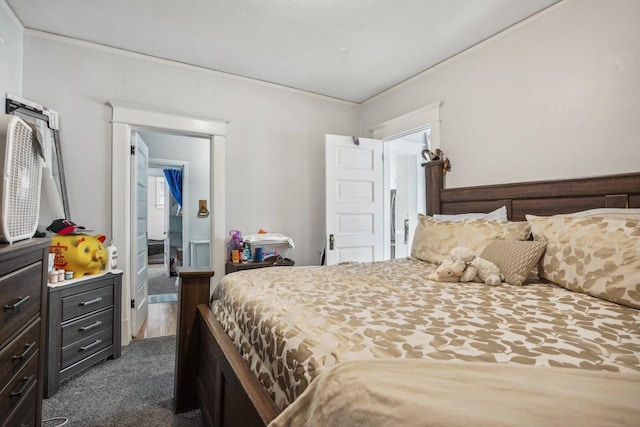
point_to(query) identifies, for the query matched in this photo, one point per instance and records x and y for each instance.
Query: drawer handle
(26, 381)
(26, 351)
(91, 301)
(21, 300)
(91, 326)
(88, 346)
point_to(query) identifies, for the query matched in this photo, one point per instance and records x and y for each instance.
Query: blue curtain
(174, 179)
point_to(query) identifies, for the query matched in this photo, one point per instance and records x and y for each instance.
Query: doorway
(125, 119)
(427, 120)
(164, 236)
(406, 188)
(373, 199)
(172, 223)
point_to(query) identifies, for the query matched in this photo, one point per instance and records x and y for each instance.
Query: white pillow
(499, 214)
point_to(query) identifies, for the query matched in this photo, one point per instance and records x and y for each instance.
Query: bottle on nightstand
(112, 257)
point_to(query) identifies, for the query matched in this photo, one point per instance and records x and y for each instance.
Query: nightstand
(83, 326)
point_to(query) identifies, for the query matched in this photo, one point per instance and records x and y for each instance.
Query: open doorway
(124, 120)
(165, 246)
(172, 223)
(405, 188)
(422, 128)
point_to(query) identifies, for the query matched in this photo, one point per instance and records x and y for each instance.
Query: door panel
(354, 201)
(356, 254)
(139, 280)
(355, 224)
(354, 191)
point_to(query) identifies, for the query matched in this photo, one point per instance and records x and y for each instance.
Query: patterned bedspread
(291, 323)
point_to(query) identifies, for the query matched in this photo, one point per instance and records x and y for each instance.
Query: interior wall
(274, 141)
(557, 96)
(10, 53)
(155, 211)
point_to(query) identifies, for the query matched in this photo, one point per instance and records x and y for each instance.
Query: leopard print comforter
(291, 323)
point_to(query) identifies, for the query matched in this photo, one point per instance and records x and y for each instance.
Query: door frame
(127, 118)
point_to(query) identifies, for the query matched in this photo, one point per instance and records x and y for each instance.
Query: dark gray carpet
(134, 390)
(159, 282)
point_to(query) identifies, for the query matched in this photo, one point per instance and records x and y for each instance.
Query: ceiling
(346, 49)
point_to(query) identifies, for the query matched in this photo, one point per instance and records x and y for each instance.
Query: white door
(354, 199)
(138, 281)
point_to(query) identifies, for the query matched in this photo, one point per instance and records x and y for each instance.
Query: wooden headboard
(538, 198)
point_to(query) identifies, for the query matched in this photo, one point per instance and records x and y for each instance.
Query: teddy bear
(463, 265)
(482, 270)
(448, 271)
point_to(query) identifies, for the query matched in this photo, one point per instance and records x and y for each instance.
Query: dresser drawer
(20, 298)
(86, 302)
(18, 389)
(15, 356)
(86, 347)
(86, 326)
(25, 414)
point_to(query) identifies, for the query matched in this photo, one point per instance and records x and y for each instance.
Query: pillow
(433, 239)
(599, 256)
(499, 214)
(615, 212)
(514, 259)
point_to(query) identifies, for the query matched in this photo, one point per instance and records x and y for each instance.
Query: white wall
(275, 136)
(556, 97)
(10, 53)
(155, 212)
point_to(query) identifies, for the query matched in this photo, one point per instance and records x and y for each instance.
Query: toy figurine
(80, 253)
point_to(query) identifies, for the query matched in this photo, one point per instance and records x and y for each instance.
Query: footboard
(229, 394)
(210, 373)
(194, 289)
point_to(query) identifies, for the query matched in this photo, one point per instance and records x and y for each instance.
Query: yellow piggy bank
(80, 253)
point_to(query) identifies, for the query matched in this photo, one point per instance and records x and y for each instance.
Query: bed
(343, 344)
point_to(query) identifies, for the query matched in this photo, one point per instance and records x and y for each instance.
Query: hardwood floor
(161, 320)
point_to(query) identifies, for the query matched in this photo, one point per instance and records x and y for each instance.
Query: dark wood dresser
(83, 326)
(23, 301)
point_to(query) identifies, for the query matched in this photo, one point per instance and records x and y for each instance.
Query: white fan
(21, 175)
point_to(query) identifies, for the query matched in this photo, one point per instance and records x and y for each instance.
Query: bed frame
(229, 394)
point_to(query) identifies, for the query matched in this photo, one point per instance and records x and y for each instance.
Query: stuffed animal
(463, 265)
(80, 253)
(461, 253)
(448, 271)
(483, 270)
(452, 268)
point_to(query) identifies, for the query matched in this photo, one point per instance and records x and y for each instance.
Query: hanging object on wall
(202, 209)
